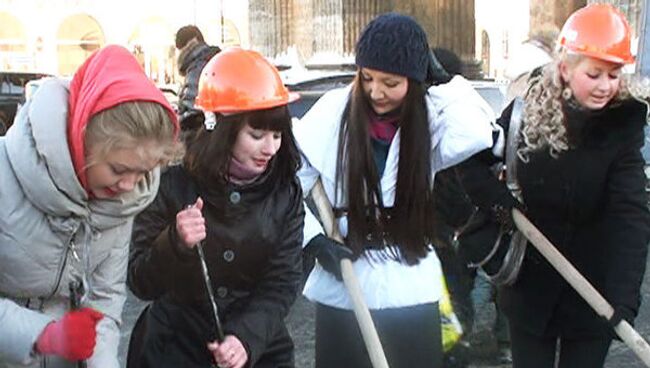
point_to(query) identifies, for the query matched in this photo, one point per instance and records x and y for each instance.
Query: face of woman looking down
(593, 82)
(119, 170)
(254, 148)
(385, 91)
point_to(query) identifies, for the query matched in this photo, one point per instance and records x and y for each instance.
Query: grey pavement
(301, 326)
(619, 354)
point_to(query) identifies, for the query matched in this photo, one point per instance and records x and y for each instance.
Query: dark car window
(311, 90)
(12, 95)
(14, 84)
(8, 87)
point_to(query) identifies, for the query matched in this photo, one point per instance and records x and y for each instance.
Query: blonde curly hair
(543, 115)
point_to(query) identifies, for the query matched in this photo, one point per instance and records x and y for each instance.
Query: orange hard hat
(237, 80)
(599, 31)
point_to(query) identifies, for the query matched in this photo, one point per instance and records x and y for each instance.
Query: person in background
(453, 209)
(580, 171)
(376, 145)
(448, 60)
(470, 290)
(80, 161)
(237, 194)
(529, 56)
(194, 53)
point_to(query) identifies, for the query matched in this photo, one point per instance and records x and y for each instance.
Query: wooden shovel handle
(367, 327)
(627, 333)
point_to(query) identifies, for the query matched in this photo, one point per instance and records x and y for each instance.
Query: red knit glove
(72, 337)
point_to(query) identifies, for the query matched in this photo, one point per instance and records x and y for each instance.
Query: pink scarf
(383, 128)
(240, 174)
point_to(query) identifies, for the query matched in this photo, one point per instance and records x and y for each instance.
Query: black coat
(253, 251)
(591, 204)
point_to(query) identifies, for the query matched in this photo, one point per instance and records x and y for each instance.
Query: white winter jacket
(51, 234)
(461, 124)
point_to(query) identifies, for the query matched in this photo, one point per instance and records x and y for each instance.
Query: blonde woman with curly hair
(580, 170)
(550, 97)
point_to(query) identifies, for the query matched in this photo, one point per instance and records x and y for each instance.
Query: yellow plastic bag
(450, 325)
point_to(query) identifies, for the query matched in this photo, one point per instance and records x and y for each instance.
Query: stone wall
(547, 15)
(270, 25)
(332, 27)
(631, 8)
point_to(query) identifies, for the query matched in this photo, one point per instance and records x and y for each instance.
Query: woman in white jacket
(376, 145)
(78, 164)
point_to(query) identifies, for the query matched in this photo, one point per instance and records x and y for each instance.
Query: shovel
(208, 287)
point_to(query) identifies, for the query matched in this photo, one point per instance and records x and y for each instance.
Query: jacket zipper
(58, 281)
(61, 268)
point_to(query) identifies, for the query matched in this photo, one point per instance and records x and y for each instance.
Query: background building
(481, 32)
(55, 36)
(325, 31)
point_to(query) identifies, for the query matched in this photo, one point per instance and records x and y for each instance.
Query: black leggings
(410, 337)
(530, 351)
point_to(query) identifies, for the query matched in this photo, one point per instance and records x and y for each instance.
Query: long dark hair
(409, 223)
(209, 152)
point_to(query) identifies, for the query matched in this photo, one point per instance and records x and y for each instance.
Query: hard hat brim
(291, 97)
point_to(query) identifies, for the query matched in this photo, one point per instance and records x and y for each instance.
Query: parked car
(169, 91)
(311, 85)
(494, 92)
(12, 95)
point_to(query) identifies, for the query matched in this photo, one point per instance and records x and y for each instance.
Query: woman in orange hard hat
(581, 176)
(237, 194)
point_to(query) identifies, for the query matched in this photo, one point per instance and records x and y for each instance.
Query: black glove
(329, 253)
(620, 313)
(502, 212)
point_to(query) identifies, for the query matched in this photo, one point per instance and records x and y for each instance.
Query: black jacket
(591, 204)
(253, 252)
(191, 61)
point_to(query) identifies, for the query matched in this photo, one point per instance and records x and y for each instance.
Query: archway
(78, 36)
(13, 44)
(152, 43)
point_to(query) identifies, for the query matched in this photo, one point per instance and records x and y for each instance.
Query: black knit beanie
(396, 44)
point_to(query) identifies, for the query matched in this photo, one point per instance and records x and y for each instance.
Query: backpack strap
(514, 257)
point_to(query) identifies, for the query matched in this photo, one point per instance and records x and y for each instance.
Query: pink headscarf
(107, 78)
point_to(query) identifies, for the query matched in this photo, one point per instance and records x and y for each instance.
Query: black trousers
(530, 351)
(410, 337)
